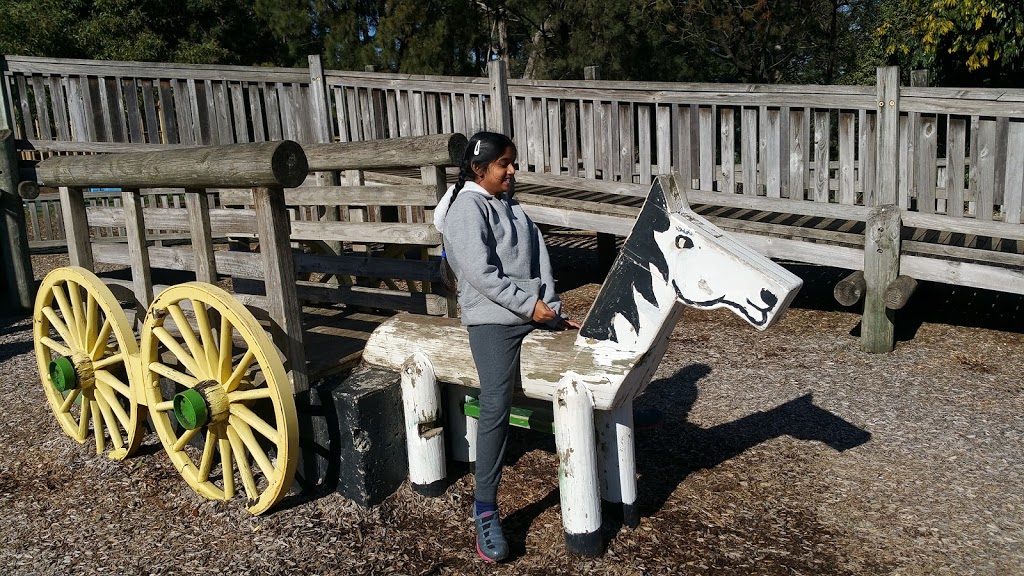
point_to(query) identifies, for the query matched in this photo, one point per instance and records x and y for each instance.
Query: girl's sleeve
(470, 240)
(547, 277)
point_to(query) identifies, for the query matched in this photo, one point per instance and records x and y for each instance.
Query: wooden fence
(957, 155)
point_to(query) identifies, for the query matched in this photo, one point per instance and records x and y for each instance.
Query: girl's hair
(483, 148)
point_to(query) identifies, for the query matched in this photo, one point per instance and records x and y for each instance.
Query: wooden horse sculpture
(672, 258)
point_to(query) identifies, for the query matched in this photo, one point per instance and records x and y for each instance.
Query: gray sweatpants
(496, 353)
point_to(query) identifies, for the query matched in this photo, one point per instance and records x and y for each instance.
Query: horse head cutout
(675, 257)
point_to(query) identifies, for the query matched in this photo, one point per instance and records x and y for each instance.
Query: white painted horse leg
(461, 428)
(424, 437)
(618, 460)
(577, 467)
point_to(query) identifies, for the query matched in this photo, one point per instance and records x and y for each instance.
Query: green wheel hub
(190, 409)
(62, 374)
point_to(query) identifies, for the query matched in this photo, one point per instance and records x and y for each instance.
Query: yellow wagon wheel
(225, 392)
(82, 343)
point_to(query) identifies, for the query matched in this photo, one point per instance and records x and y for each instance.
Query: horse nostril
(769, 298)
(683, 241)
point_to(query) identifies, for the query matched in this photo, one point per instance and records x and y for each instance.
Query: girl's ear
(476, 170)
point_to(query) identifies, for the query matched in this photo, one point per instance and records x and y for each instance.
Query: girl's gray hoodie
(498, 255)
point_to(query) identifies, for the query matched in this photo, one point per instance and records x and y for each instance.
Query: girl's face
(497, 178)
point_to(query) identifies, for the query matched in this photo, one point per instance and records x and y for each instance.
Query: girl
(506, 290)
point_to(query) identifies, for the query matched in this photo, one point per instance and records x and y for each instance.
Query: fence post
(6, 115)
(322, 131)
(501, 106)
(882, 235)
(17, 265)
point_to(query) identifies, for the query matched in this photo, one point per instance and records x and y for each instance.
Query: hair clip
(476, 151)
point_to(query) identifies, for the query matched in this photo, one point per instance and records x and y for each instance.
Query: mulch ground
(783, 452)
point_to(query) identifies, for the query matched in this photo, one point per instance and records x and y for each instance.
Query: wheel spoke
(189, 335)
(59, 326)
(172, 374)
(65, 407)
(225, 350)
(253, 446)
(238, 451)
(92, 318)
(97, 426)
(112, 402)
(83, 424)
(112, 381)
(164, 406)
(254, 421)
(78, 314)
(175, 348)
(254, 394)
(206, 334)
(185, 438)
(56, 346)
(226, 469)
(209, 449)
(240, 370)
(65, 310)
(109, 422)
(100, 345)
(108, 361)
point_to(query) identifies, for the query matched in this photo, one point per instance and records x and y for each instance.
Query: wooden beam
(887, 153)
(899, 292)
(280, 163)
(850, 290)
(881, 267)
(434, 150)
(18, 282)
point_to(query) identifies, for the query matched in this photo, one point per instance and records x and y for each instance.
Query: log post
(881, 267)
(618, 460)
(17, 264)
(461, 428)
(501, 106)
(850, 290)
(899, 292)
(424, 434)
(573, 406)
(887, 157)
(28, 190)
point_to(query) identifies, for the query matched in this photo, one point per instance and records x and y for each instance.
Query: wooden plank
(974, 157)
(588, 138)
(926, 150)
(800, 163)
(956, 136)
(999, 177)
(222, 104)
(785, 145)
(133, 110)
(283, 303)
(868, 142)
(822, 134)
(643, 131)
(27, 124)
(664, 137)
(183, 113)
(500, 119)
(387, 195)
(887, 154)
(404, 113)
(115, 109)
(160, 124)
(76, 110)
(682, 143)
(1014, 186)
(319, 109)
(609, 140)
(258, 119)
(135, 224)
(572, 156)
(366, 114)
(397, 233)
(76, 227)
(42, 107)
(198, 206)
(627, 149)
(727, 142)
(706, 121)
(985, 195)
(772, 161)
(847, 193)
(286, 104)
(341, 113)
(535, 134)
(391, 103)
(906, 160)
(238, 115)
(554, 133)
(430, 101)
(273, 111)
(60, 111)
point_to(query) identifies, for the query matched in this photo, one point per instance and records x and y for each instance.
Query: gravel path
(785, 452)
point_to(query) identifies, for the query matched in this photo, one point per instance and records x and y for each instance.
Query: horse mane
(634, 265)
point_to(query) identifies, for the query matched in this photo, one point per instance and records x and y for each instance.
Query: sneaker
(490, 540)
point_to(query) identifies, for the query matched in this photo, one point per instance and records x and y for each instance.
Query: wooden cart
(217, 373)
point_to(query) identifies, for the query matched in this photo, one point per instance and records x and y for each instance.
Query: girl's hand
(567, 324)
(542, 312)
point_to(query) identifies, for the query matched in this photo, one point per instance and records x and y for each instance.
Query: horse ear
(672, 193)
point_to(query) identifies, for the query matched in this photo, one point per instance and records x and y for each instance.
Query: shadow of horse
(672, 450)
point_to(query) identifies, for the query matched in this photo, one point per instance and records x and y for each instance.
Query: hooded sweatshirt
(498, 255)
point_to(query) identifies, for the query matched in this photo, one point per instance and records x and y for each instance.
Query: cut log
(899, 291)
(850, 290)
(424, 432)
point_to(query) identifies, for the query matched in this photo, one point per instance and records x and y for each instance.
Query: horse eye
(683, 241)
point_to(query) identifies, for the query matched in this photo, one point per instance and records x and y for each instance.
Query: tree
(963, 42)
